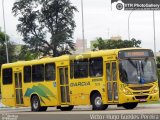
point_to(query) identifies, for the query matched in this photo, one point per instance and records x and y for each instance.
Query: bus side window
(81, 68)
(7, 76)
(123, 73)
(38, 73)
(96, 67)
(27, 74)
(50, 71)
(114, 73)
(108, 74)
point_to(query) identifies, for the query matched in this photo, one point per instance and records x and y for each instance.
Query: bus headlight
(155, 89)
(126, 91)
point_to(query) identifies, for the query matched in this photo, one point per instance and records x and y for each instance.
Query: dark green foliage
(46, 25)
(113, 44)
(11, 48)
(158, 60)
(158, 71)
(26, 54)
(158, 68)
(158, 74)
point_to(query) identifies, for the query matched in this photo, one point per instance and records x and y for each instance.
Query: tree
(158, 66)
(158, 71)
(46, 25)
(3, 49)
(100, 44)
(114, 44)
(26, 54)
(158, 60)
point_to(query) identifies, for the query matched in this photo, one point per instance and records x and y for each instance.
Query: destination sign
(135, 53)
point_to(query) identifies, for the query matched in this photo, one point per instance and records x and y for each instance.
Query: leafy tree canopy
(3, 49)
(158, 60)
(113, 44)
(26, 54)
(46, 25)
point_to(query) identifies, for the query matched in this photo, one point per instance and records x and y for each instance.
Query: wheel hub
(98, 101)
(35, 104)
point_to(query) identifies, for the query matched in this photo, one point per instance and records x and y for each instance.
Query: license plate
(142, 100)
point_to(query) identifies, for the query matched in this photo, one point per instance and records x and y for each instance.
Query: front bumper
(123, 98)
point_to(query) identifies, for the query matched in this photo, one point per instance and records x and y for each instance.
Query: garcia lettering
(79, 84)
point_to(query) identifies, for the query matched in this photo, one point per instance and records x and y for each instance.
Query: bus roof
(69, 57)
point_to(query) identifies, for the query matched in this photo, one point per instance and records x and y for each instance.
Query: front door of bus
(111, 74)
(18, 88)
(64, 85)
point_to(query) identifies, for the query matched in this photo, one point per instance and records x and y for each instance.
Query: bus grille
(142, 97)
(141, 88)
(140, 92)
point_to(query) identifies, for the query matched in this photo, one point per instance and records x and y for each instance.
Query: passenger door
(18, 88)
(111, 77)
(64, 85)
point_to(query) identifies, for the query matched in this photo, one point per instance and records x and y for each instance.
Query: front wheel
(96, 101)
(130, 105)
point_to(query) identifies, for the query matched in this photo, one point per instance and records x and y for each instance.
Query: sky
(99, 21)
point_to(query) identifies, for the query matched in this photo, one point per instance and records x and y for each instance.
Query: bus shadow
(118, 109)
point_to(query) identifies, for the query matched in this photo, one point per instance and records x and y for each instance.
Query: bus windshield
(138, 71)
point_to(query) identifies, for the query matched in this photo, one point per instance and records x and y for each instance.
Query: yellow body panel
(8, 95)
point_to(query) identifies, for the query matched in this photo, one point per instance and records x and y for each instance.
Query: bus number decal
(97, 84)
(97, 80)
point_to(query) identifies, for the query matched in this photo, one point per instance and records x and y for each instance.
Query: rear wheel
(96, 101)
(35, 104)
(69, 108)
(130, 105)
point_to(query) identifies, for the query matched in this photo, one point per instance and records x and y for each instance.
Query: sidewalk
(2, 106)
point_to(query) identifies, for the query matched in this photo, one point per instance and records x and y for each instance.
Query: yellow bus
(123, 77)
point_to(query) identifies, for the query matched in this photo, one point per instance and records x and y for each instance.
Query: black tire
(69, 108)
(43, 108)
(96, 101)
(35, 104)
(130, 105)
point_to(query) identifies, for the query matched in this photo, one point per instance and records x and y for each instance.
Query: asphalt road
(143, 111)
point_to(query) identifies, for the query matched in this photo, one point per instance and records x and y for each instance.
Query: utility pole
(154, 34)
(129, 25)
(83, 26)
(6, 41)
(108, 33)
